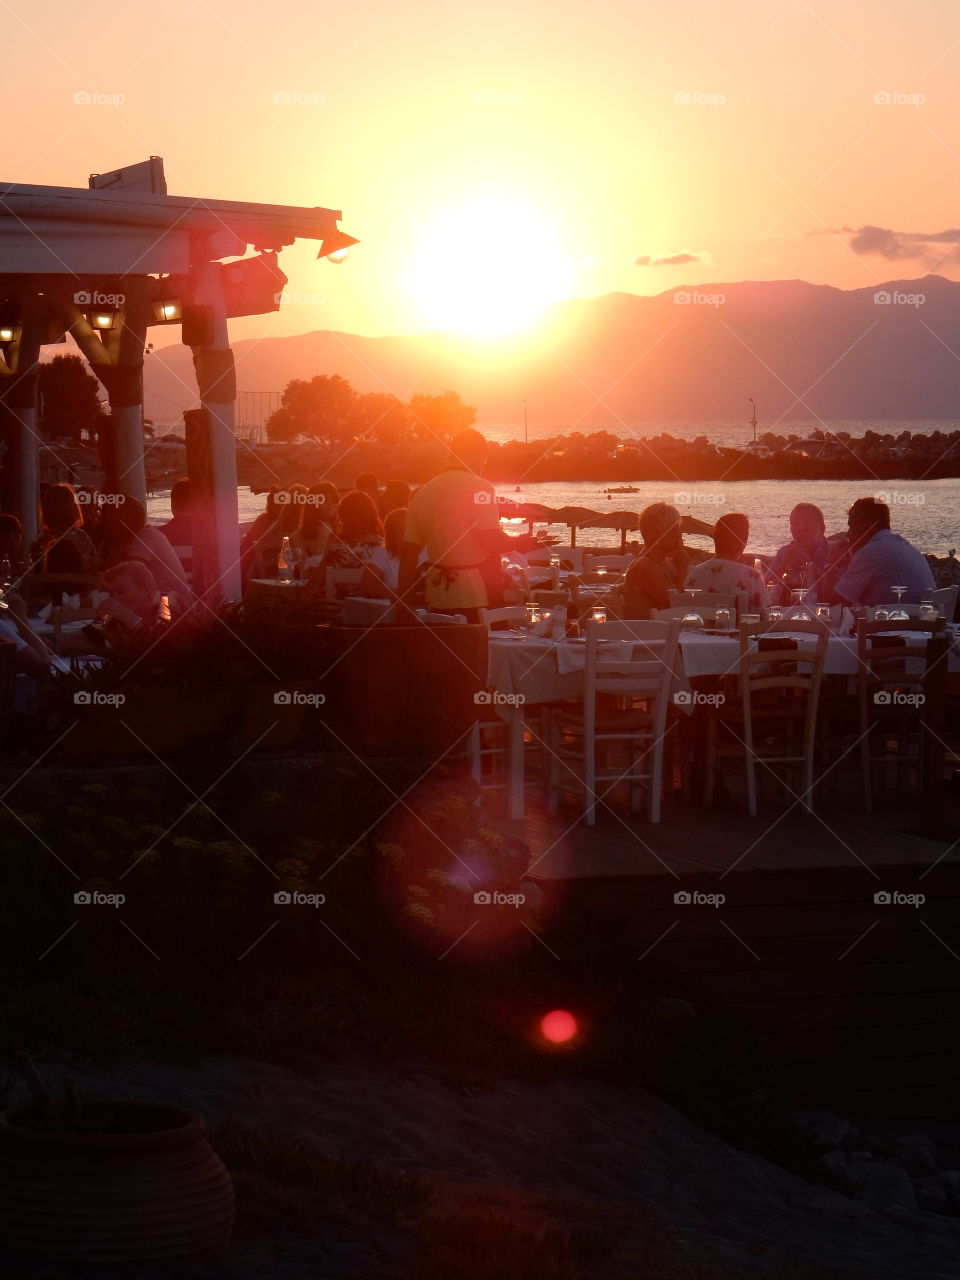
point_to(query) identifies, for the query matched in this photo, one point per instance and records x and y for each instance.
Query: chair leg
(865, 766)
(551, 736)
(751, 783)
(590, 780)
(476, 763)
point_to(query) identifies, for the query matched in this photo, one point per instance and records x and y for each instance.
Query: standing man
(455, 516)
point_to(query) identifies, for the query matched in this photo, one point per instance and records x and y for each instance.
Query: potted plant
(88, 1180)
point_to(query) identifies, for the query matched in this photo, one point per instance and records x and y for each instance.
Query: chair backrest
(884, 650)
(503, 617)
(550, 598)
(709, 599)
(771, 658)
(636, 658)
(591, 559)
(442, 619)
(945, 598)
(570, 557)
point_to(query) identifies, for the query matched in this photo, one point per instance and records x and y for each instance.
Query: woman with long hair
(359, 534)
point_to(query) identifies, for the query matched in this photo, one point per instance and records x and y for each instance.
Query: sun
(488, 267)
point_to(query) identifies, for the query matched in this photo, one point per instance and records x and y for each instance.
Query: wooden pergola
(106, 262)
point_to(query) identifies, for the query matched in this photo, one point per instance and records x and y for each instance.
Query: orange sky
(497, 156)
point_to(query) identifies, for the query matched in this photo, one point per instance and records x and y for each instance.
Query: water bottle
(285, 561)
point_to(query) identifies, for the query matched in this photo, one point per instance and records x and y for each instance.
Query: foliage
(440, 417)
(69, 402)
(327, 409)
(324, 409)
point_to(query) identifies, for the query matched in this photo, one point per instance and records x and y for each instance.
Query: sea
(926, 512)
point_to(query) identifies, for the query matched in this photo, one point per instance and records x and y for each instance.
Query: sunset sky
(495, 157)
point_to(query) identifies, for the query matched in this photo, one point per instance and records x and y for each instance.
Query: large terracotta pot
(153, 1188)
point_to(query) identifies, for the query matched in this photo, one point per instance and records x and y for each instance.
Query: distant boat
(623, 488)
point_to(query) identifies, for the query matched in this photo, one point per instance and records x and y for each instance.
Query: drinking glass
(881, 615)
(601, 570)
(722, 619)
(692, 620)
(822, 613)
(928, 611)
(897, 613)
(802, 613)
(598, 613)
(775, 614)
(534, 615)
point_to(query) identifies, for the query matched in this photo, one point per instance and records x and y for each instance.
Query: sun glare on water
(488, 268)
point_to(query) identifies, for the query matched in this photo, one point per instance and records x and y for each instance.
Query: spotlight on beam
(336, 246)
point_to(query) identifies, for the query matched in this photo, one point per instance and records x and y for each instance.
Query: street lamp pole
(525, 440)
(753, 420)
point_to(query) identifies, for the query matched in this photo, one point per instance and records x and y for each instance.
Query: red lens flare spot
(558, 1026)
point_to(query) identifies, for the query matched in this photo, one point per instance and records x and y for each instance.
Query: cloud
(921, 246)
(672, 260)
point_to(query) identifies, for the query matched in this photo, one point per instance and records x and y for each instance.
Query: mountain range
(802, 351)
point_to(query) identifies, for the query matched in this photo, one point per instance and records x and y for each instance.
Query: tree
(383, 417)
(69, 398)
(325, 409)
(440, 416)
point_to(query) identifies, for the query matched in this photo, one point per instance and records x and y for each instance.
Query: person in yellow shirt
(455, 516)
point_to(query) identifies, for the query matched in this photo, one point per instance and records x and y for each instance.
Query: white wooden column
(216, 380)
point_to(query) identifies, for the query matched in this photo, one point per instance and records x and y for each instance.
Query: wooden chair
(945, 598)
(779, 694)
(626, 701)
(891, 674)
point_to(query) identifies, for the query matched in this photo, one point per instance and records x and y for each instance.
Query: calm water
(925, 512)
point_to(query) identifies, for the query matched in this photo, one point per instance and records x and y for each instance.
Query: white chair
(626, 700)
(708, 612)
(891, 669)
(185, 556)
(945, 598)
(571, 558)
(618, 562)
(779, 701)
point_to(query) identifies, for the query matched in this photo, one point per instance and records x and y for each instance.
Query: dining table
(526, 670)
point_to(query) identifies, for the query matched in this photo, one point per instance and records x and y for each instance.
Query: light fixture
(167, 311)
(103, 320)
(335, 246)
(9, 332)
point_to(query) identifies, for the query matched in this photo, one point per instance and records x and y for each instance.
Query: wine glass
(692, 621)
(534, 615)
(898, 613)
(801, 613)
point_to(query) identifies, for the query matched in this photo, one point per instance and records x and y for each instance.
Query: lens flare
(558, 1026)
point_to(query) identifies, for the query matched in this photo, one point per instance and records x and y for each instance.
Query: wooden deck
(856, 1001)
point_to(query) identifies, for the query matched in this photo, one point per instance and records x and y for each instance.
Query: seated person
(127, 536)
(33, 658)
(661, 565)
(729, 572)
(381, 574)
(359, 534)
(65, 546)
(318, 516)
(132, 618)
(11, 548)
(879, 560)
(809, 546)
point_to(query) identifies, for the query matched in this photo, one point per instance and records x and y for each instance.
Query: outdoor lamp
(168, 311)
(335, 246)
(9, 332)
(103, 320)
